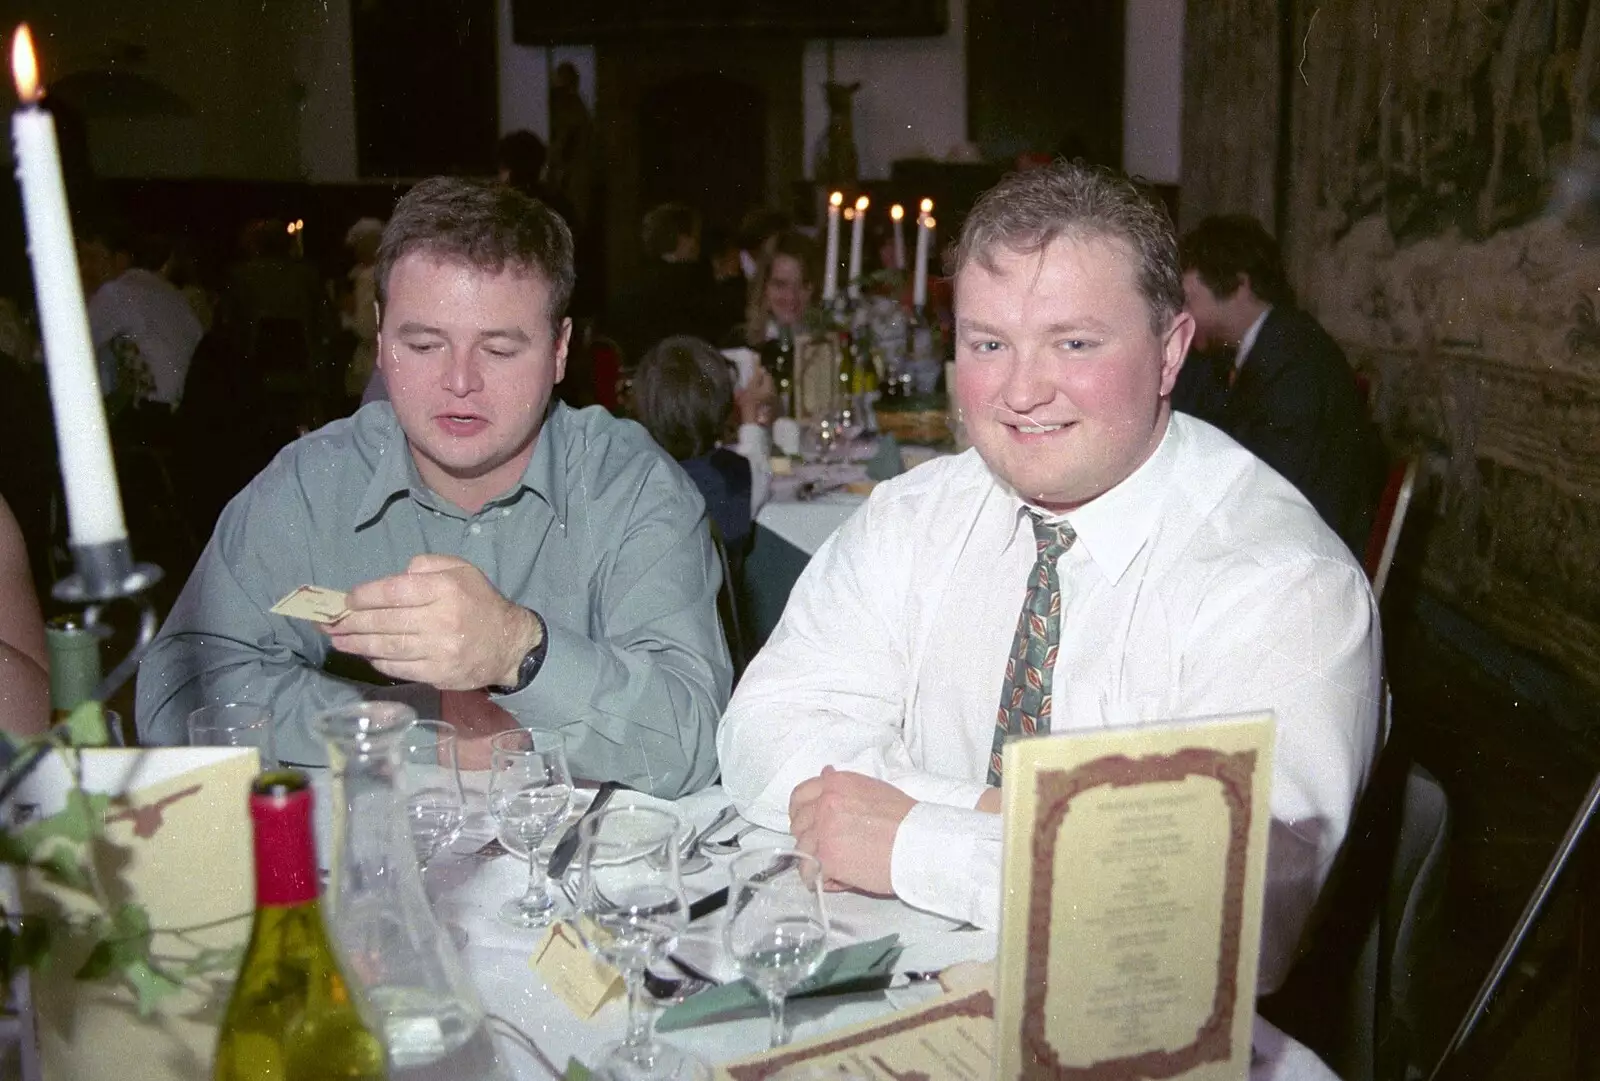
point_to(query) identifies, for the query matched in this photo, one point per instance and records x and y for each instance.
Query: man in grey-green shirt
(508, 560)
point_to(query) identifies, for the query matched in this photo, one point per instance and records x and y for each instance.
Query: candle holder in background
(104, 574)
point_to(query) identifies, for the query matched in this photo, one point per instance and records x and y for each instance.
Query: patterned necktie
(1025, 697)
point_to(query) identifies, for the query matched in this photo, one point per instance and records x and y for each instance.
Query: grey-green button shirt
(605, 537)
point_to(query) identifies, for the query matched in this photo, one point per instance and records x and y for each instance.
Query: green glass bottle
(291, 1016)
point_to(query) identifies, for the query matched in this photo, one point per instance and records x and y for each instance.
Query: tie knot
(1052, 538)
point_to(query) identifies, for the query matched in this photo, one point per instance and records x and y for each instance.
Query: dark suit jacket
(1296, 407)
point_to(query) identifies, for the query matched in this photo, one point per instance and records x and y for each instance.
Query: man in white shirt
(1187, 579)
(130, 299)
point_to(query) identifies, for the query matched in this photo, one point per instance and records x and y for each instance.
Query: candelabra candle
(830, 258)
(857, 236)
(919, 282)
(94, 507)
(898, 214)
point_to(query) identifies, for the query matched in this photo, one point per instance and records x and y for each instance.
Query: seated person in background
(780, 295)
(512, 561)
(671, 293)
(684, 394)
(131, 301)
(24, 658)
(780, 290)
(1178, 578)
(1291, 398)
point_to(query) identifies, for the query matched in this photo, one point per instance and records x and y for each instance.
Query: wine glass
(435, 802)
(631, 909)
(530, 793)
(777, 926)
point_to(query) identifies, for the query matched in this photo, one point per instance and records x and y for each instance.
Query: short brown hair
(682, 394)
(1027, 211)
(665, 224)
(487, 226)
(1224, 246)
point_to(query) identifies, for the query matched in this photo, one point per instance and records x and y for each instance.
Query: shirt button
(474, 529)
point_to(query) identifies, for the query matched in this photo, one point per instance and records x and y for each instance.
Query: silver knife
(567, 847)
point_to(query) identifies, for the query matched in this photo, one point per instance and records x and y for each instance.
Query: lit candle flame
(862, 204)
(897, 212)
(929, 222)
(849, 214)
(837, 198)
(24, 66)
(927, 206)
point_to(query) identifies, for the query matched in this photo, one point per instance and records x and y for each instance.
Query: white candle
(830, 258)
(898, 213)
(857, 229)
(919, 280)
(94, 508)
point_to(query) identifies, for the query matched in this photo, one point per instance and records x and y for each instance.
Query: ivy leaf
(149, 983)
(81, 818)
(124, 942)
(86, 726)
(63, 865)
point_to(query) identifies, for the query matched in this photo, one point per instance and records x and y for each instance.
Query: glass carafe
(420, 996)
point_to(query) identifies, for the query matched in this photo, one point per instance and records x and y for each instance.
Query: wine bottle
(777, 356)
(291, 1016)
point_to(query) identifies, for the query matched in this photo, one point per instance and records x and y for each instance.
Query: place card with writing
(948, 1039)
(578, 977)
(1134, 865)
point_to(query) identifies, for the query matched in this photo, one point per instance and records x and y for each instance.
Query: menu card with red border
(1134, 865)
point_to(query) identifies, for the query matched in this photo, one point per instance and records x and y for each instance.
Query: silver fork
(729, 845)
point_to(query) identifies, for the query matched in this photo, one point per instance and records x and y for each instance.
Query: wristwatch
(532, 661)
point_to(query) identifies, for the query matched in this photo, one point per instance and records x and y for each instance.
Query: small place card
(578, 977)
(315, 603)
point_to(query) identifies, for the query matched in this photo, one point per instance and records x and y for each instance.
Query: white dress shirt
(755, 446)
(1247, 342)
(1203, 584)
(154, 313)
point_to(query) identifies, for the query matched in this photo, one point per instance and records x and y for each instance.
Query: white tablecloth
(469, 890)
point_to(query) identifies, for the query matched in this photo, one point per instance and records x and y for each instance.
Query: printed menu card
(1134, 864)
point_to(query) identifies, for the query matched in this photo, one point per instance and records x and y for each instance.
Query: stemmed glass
(435, 802)
(777, 926)
(631, 909)
(530, 793)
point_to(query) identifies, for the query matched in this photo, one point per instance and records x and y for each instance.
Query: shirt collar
(396, 473)
(1115, 525)
(1248, 341)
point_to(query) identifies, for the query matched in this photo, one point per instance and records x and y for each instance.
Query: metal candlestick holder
(106, 573)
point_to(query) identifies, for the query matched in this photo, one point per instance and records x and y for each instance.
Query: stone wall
(1431, 141)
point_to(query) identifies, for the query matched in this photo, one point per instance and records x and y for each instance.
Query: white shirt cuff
(946, 860)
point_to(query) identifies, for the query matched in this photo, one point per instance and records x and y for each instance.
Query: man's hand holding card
(441, 623)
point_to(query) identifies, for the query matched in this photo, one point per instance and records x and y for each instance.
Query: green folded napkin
(885, 461)
(865, 966)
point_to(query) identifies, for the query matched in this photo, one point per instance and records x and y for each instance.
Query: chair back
(728, 604)
(1386, 525)
(1348, 998)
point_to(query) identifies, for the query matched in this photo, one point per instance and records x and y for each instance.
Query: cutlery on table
(731, 844)
(567, 847)
(693, 861)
